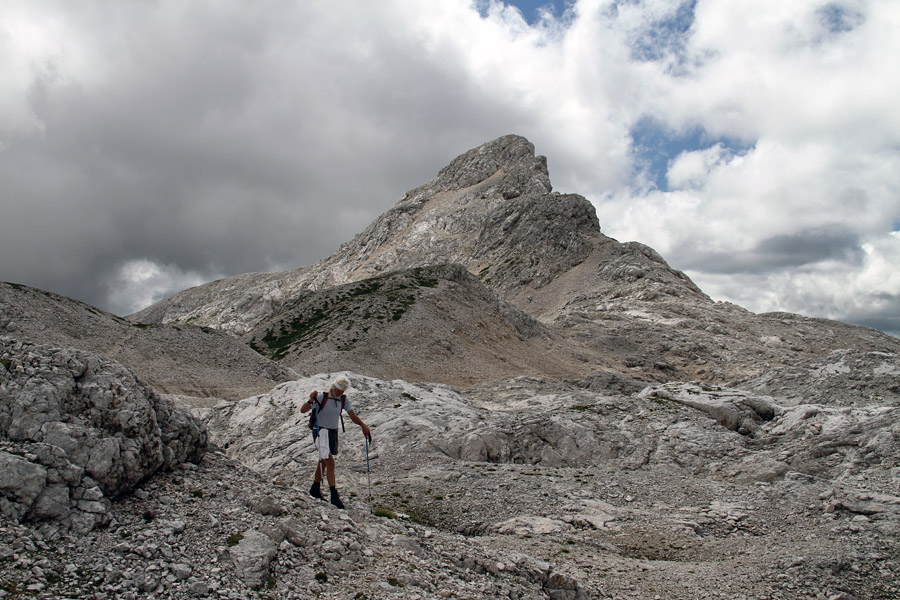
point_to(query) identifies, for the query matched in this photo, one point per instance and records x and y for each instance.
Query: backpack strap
(317, 406)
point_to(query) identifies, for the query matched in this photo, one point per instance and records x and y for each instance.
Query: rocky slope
(525, 490)
(177, 359)
(219, 530)
(681, 491)
(431, 323)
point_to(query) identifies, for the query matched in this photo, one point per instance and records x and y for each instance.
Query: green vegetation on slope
(377, 300)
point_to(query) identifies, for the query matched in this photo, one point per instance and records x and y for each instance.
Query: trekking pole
(369, 475)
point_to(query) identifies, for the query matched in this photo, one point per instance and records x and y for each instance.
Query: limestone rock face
(77, 430)
(858, 444)
(510, 152)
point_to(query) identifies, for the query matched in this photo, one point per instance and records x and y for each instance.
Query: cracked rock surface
(77, 430)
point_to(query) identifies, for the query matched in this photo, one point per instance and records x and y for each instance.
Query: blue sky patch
(654, 144)
(666, 37)
(839, 19)
(530, 9)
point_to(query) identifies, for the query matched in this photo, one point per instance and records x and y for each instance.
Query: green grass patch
(383, 511)
(665, 402)
(428, 515)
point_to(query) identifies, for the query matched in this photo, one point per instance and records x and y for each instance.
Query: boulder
(77, 430)
(251, 557)
(21, 482)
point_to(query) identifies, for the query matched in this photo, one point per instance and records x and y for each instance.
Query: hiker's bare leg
(329, 470)
(318, 476)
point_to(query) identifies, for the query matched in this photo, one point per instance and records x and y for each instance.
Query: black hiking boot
(316, 491)
(335, 499)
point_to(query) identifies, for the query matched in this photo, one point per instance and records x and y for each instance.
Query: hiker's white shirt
(330, 414)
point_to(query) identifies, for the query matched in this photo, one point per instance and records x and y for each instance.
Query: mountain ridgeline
(595, 308)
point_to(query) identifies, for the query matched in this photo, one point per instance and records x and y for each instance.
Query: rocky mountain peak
(491, 209)
(512, 154)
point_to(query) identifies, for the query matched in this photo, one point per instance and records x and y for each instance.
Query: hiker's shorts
(327, 442)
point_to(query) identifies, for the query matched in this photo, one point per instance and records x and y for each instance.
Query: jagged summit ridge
(511, 153)
(490, 209)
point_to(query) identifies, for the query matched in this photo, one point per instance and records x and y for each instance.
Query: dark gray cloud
(887, 321)
(212, 145)
(779, 252)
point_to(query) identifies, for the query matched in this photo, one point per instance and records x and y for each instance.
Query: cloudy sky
(147, 146)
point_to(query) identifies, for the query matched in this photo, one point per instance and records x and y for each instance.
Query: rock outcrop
(77, 430)
(705, 431)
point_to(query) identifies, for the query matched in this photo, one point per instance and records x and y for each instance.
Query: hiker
(325, 433)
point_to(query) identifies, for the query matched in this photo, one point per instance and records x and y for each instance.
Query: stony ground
(430, 519)
(219, 530)
(523, 488)
(465, 530)
(636, 535)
